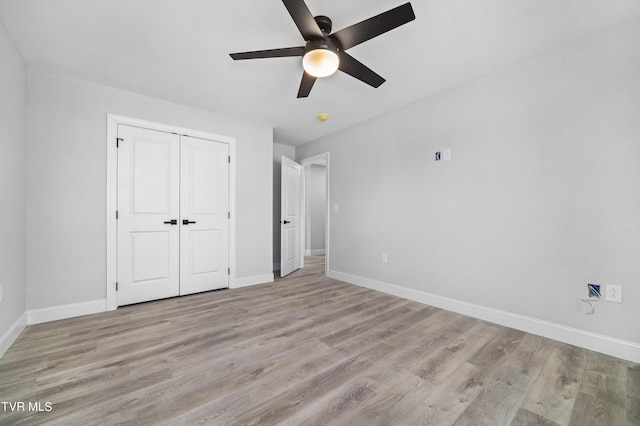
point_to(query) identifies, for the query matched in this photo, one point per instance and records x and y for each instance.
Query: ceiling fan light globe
(320, 62)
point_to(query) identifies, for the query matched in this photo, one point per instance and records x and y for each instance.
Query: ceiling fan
(324, 53)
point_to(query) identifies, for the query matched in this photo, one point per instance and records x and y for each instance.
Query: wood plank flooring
(306, 350)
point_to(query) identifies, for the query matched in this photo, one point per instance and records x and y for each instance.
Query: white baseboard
(316, 252)
(54, 313)
(254, 280)
(12, 334)
(596, 342)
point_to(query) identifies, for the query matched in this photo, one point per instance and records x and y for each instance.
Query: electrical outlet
(614, 293)
(383, 258)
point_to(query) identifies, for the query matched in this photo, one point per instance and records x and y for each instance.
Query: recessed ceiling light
(323, 117)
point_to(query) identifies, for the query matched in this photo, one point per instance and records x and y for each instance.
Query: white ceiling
(177, 50)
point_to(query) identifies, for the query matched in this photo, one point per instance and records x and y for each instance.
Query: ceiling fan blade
(373, 27)
(306, 85)
(357, 69)
(271, 53)
(303, 18)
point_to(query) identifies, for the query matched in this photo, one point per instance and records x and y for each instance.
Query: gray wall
(278, 151)
(66, 184)
(13, 97)
(542, 195)
(316, 206)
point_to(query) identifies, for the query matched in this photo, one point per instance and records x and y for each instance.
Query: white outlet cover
(614, 293)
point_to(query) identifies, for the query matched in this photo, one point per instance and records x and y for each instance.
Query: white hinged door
(148, 202)
(204, 215)
(291, 256)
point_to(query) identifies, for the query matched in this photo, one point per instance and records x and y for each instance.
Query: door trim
(112, 195)
(324, 160)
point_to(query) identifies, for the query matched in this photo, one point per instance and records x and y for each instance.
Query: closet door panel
(204, 241)
(148, 196)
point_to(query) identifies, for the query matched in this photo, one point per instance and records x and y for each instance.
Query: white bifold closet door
(173, 215)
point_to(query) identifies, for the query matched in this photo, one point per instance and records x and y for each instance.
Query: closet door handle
(172, 222)
(187, 221)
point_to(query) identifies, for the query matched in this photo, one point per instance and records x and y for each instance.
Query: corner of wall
(12, 334)
(13, 151)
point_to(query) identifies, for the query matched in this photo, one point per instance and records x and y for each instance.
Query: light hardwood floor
(307, 350)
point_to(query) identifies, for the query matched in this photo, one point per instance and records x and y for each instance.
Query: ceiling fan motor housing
(324, 22)
(325, 44)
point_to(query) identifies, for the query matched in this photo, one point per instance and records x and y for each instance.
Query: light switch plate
(614, 293)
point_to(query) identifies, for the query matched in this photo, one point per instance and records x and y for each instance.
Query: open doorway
(316, 205)
(315, 202)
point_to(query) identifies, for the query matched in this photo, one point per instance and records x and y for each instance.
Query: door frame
(321, 159)
(112, 193)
